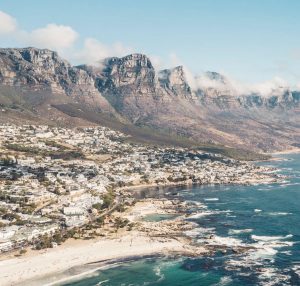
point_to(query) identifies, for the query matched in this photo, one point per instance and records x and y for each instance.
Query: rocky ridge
(131, 90)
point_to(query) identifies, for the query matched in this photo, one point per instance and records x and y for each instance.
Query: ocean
(266, 218)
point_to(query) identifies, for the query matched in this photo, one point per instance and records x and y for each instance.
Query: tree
(100, 220)
(120, 223)
(108, 199)
(22, 251)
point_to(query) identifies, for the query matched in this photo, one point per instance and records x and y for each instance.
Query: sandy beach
(39, 265)
(48, 267)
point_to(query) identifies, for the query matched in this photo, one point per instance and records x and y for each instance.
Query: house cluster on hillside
(52, 178)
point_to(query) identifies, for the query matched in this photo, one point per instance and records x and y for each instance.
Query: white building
(73, 211)
(7, 232)
(6, 246)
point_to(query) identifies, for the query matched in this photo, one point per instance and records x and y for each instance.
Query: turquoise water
(158, 217)
(264, 217)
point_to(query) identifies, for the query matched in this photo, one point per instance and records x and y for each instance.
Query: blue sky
(251, 41)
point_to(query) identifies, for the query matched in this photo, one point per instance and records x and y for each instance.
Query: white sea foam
(284, 182)
(238, 264)
(255, 262)
(271, 276)
(270, 238)
(296, 269)
(199, 231)
(288, 252)
(198, 204)
(224, 281)
(211, 199)
(262, 252)
(225, 241)
(261, 255)
(157, 271)
(267, 246)
(238, 231)
(207, 213)
(201, 214)
(257, 210)
(102, 282)
(279, 213)
(293, 184)
(279, 244)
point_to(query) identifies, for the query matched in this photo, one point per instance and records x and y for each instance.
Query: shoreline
(252, 181)
(275, 156)
(288, 151)
(52, 265)
(70, 275)
(77, 258)
(56, 264)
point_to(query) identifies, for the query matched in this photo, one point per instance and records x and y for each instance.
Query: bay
(263, 217)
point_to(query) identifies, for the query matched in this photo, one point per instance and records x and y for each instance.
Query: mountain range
(38, 86)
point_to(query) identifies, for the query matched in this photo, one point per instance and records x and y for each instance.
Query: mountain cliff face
(222, 94)
(130, 90)
(129, 84)
(133, 87)
(286, 100)
(32, 69)
(173, 81)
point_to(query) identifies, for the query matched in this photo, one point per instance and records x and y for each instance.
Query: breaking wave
(239, 231)
(211, 199)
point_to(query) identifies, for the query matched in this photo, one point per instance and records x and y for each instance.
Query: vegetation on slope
(147, 135)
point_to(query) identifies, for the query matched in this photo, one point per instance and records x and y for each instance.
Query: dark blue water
(264, 217)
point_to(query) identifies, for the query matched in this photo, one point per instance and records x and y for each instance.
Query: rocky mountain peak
(215, 76)
(43, 59)
(175, 81)
(216, 90)
(174, 75)
(131, 61)
(37, 56)
(33, 69)
(133, 73)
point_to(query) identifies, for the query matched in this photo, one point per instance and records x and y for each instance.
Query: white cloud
(174, 60)
(297, 86)
(62, 39)
(204, 81)
(276, 86)
(8, 24)
(156, 62)
(53, 36)
(227, 84)
(94, 51)
(160, 64)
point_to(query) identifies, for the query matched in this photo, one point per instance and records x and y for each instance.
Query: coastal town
(149, 143)
(58, 183)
